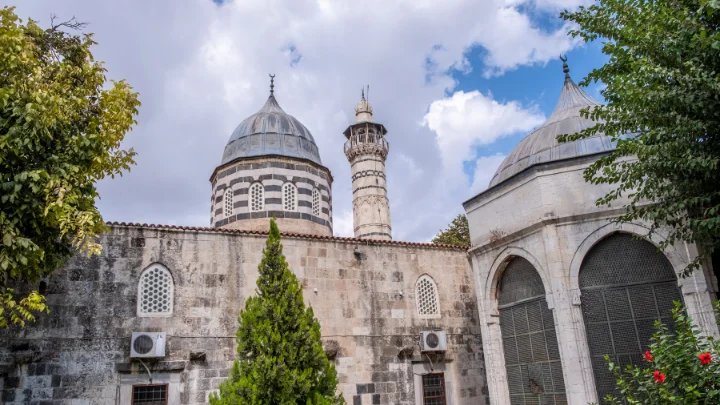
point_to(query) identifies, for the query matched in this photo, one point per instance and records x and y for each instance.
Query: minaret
(366, 150)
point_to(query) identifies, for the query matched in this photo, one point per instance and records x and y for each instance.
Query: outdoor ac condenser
(433, 341)
(147, 344)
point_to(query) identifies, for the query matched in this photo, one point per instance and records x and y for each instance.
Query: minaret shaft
(366, 150)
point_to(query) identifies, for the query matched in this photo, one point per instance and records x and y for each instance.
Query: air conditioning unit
(433, 341)
(147, 344)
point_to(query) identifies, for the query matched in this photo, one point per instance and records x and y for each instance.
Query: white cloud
(485, 167)
(467, 120)
(343, 223)
(200, 69)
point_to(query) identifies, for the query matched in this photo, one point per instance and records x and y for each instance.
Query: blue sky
(539, 85)
(457, 83)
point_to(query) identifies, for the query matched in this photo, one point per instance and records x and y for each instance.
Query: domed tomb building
(559, 283)
(271, 167)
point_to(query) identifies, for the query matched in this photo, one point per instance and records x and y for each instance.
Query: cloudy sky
(457, 83)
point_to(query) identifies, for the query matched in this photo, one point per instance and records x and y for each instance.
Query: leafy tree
(663, 81)
(280, 355)
(61, 125)
(679, 368)
(457, 233)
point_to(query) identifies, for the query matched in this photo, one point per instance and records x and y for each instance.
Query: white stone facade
(548, 216)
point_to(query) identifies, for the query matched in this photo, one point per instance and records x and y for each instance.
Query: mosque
(523, 316)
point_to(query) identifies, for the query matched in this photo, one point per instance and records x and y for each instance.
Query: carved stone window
(289, 197)
(257, 197)
(316, 202)
(228, 202)
(426, 295)
(155, 292)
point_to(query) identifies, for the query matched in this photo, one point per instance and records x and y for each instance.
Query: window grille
(289, 197)
(316, 202)
(257, 197)
(155, 292)
(228, 202)
(532, 357)
(433, 389)
(626, 284)
(150, 394)
(426, 295)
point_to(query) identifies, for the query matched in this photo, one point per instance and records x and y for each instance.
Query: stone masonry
(361, 291)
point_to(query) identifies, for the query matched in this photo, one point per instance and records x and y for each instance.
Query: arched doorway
(532, 358)
(626, 284)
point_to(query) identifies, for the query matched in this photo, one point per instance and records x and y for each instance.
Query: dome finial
(272, 85)
(566, 69)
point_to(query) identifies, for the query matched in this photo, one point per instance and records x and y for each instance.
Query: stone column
(569, 326)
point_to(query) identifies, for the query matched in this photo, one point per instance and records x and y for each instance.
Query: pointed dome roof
(271, 131)
(542, 146)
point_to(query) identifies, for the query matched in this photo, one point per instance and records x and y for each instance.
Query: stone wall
(79, 353)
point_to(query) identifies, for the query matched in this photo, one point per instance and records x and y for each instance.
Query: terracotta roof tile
(291, 235)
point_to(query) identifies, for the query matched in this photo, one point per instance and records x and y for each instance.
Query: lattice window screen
(626, 284)
(257, 197)
(228, 202)
(426, 295)
(532, 357)
(289, 197)
(316, 202)
(155, 292)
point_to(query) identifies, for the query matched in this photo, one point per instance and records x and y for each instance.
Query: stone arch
(608, 229)
(626, 284)
(498, 267)
(530, 343)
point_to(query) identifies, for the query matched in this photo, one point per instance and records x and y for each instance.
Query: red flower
(705, 358)
(659, 377)
(648, 356)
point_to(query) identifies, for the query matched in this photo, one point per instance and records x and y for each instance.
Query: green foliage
(61, 124)
(663, 81)
(457, 233)
(280, 355)
(673, 371)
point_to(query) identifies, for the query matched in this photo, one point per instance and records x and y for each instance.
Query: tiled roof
(292, 235)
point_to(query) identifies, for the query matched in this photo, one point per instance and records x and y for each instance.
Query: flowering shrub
(679, 368)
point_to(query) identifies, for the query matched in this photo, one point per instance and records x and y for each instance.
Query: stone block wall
(365, 301)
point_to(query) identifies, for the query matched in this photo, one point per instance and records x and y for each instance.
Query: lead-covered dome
(542, 146)
(271, 131)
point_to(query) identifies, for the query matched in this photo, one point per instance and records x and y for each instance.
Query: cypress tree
(280, 359)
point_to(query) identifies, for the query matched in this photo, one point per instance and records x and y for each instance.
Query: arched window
(426, 295)
(532, 358)
(289, 197)
(155, 292)
(625, 285)
(316, 202)
(257, 197)
(228, 202)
